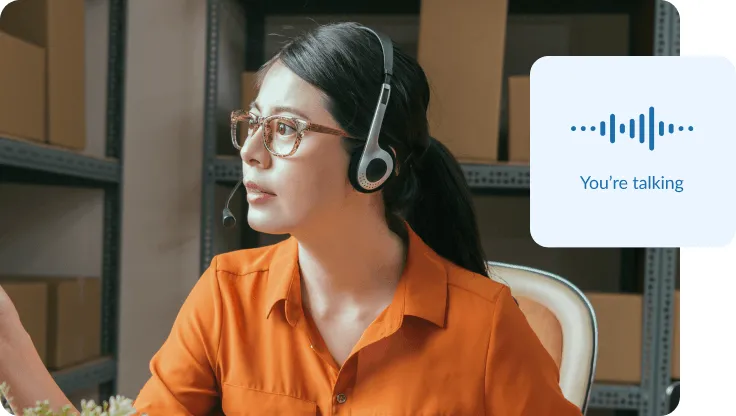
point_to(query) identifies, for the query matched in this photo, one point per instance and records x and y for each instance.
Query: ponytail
(442, 213)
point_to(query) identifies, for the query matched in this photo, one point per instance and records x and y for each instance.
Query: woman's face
(304, 189)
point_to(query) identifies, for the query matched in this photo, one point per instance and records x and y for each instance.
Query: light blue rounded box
(632, 151)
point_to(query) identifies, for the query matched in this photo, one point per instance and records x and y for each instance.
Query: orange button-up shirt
(450, 343)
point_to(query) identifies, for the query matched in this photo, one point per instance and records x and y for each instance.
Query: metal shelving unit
(649, 397)
(36, 163)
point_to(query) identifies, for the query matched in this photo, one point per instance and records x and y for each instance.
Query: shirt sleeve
(522, 379)
(183, 378)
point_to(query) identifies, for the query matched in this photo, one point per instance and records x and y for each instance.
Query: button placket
(343, 387)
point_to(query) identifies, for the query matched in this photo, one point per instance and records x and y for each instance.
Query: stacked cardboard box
(31, 302)
(619, 317)
(55, 66)
(248, 89)
(461, 49)
(22, 95)
(519, 141)
(62, 316)
(248, 94)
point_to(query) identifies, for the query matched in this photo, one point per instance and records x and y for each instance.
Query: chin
(266, 223)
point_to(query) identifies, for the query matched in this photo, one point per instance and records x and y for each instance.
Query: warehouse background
(113, 219)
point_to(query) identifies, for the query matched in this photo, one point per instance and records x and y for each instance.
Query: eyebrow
(281, 109)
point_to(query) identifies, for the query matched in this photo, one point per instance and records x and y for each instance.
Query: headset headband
(388, 53)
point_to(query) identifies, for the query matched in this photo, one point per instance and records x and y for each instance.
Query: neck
(350, 262)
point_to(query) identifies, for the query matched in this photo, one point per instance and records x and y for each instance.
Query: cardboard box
(519, 136)
(31, 301)
(22, 91)
(58, 26)
(248, 89)
(74, 307)
(248, 94)
(461, 49)
(675, 367)
(619, 317)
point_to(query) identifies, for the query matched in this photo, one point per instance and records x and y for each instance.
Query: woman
(379, 302)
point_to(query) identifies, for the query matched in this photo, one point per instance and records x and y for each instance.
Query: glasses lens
(282, 135)
(244, 128)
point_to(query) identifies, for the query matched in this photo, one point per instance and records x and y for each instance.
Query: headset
(372, 167)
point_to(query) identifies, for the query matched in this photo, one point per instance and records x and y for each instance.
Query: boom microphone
(228, 219)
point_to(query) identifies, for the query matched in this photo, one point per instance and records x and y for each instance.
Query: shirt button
(341, 398)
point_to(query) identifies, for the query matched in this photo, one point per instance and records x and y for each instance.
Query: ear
(396, 161)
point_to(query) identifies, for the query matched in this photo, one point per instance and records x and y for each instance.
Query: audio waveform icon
(646, 128)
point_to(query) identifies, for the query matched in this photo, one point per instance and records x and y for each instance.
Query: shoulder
(464, 283)
(475, 301)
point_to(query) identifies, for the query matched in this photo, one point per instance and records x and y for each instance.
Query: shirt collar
(425, 276)
(424, 281)
(284, 281)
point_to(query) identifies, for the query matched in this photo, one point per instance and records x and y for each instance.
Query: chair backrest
(673, 396)
(563, 319)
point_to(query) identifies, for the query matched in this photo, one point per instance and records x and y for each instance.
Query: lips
(253, 187)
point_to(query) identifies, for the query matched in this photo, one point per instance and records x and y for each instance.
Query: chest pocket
(243, 401)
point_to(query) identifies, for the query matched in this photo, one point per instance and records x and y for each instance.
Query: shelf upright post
(210, 133)
(112, 205)
(666, 43)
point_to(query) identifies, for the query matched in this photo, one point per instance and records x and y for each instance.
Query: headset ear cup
(353, 170)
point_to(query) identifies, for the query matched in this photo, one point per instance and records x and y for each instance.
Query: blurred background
(115, 162)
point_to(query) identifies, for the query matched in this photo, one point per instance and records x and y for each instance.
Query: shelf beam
(496, 176)
(42, 158)
(362, 7)
(89, 374)
(612, 396)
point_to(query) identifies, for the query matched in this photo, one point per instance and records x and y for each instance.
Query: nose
(254, 152)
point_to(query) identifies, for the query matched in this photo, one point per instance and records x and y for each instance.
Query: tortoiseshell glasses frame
(256, 122)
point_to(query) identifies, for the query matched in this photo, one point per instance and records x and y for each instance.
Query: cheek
(316, 182)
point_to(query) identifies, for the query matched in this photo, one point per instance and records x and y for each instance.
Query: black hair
(345, 62)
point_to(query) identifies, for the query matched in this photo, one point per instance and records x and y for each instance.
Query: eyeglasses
(281, 134)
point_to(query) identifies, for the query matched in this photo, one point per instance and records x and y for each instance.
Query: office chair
(563, 319)
(673, 396)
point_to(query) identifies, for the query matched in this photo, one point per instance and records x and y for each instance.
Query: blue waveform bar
(648, 128)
